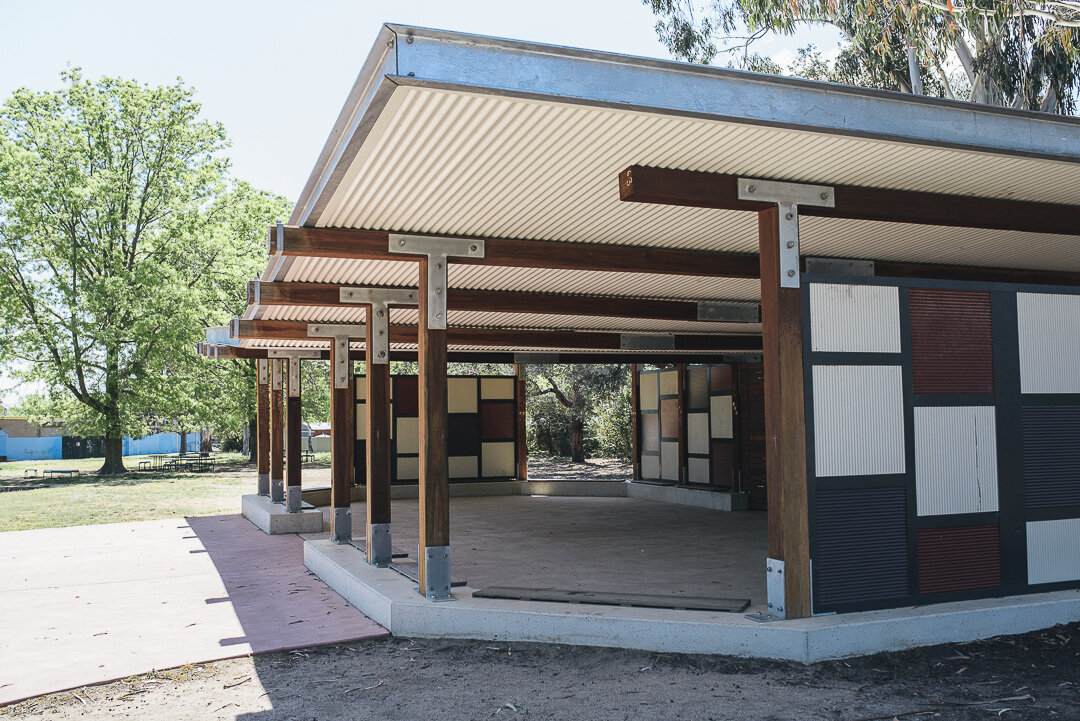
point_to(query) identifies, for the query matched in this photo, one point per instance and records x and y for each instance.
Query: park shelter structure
(888, 282)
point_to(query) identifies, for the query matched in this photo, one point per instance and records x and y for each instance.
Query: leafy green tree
(1013, 53)
(121, 238)
(578, 392)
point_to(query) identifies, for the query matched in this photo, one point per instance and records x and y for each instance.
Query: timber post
(522, 441)
(262, 426)
(293, 497)
(434, 547)
(277, 434)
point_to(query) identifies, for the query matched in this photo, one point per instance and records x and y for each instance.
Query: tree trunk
(577, 441)
(114, 435)
(204, 440)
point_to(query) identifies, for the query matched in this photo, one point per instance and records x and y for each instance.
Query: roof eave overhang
(409, 56)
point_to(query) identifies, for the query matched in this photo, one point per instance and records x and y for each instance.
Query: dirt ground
(1035, 676)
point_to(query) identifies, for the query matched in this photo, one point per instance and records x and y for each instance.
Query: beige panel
(650, 467)
(669, 460)
(464, 467)
(461, 395)
(361, 388)
(408, 435)
(497, 388)
(697, 432)
(408, 469)
(498, 459)
(720, 409)
(858, 420)
(650, 431)
(361, 421)
(669, 382)
(647, 392)
(697, 470)
(854, 318)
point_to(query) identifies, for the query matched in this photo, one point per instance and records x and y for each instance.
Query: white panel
(854, 318)
(1052, 551)
(858, 420)
(669, 460)
(720, 410)
(361, 387)
(461, 395)
(361, 421)
(650, 467)
(408, 435)
(498, 459)
(697, 470)
(647, 392)
(955, 460)
(697, 432)
(408, 469)
(497, 388)
(1049, 328)
(669, 383)
(464, 467)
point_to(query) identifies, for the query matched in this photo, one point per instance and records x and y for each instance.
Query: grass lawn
(139, 495)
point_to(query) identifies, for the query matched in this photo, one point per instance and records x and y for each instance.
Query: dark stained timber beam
(503, 301)
(375, 244)
(640, 184)
(585, 340)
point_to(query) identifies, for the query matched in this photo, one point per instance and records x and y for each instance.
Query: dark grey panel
(1051, 456)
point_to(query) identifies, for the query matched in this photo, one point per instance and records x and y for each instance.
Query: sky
(276, 73)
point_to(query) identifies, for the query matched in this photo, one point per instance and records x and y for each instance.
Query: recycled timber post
(293, 500)
(277, 434)
(522, 441)
(434, 544)
(262, 426)
(377, 407)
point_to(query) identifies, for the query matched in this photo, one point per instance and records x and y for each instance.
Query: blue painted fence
(45, 449)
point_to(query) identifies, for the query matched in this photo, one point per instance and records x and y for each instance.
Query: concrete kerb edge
(273, 518)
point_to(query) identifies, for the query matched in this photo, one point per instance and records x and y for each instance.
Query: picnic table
(69, 472)
(306, 456)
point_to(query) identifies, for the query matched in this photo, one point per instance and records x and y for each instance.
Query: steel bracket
(437, 573)
(293, 385)
(275, 374)
(379, 549)
(341, 529)
(283, 353)
(438, 251)
(774, 587)
(728, 312)
(380, 300)
(536, 358)
(788, 197)
(264, 371)
(839, 266)
(634, 341)
(294, 499)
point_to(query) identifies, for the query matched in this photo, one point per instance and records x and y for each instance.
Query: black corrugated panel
(860, 548)
(1051, 456)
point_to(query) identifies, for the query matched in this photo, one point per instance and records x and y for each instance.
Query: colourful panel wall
(951, 341)
(1051, 451)
(959, 559)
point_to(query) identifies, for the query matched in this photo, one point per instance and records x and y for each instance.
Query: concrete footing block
(392, 600)
(272, 518)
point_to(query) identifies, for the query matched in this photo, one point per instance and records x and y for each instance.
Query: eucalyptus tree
(121, 237)
(1014, 53)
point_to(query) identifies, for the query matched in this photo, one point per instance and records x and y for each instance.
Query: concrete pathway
(89, 604)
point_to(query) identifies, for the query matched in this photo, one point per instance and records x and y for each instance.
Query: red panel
(498, 420)
(406, 396)
(669, 418)
(720, 379)
(723, 463)
(959, 559)
(951, 341)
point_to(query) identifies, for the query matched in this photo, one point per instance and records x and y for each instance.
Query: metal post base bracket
(437, 573)
(341, 530)
(277, 490)
(378, 545)
(294, 499)
(264, 484)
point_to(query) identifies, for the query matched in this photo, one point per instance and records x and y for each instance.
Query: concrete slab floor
(602, 544)
(88, 604)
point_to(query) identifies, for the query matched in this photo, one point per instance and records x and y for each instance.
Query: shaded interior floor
(601, 544)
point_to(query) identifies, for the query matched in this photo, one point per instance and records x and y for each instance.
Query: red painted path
(90, 604)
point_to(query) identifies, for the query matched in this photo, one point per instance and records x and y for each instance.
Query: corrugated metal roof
(484, 165)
